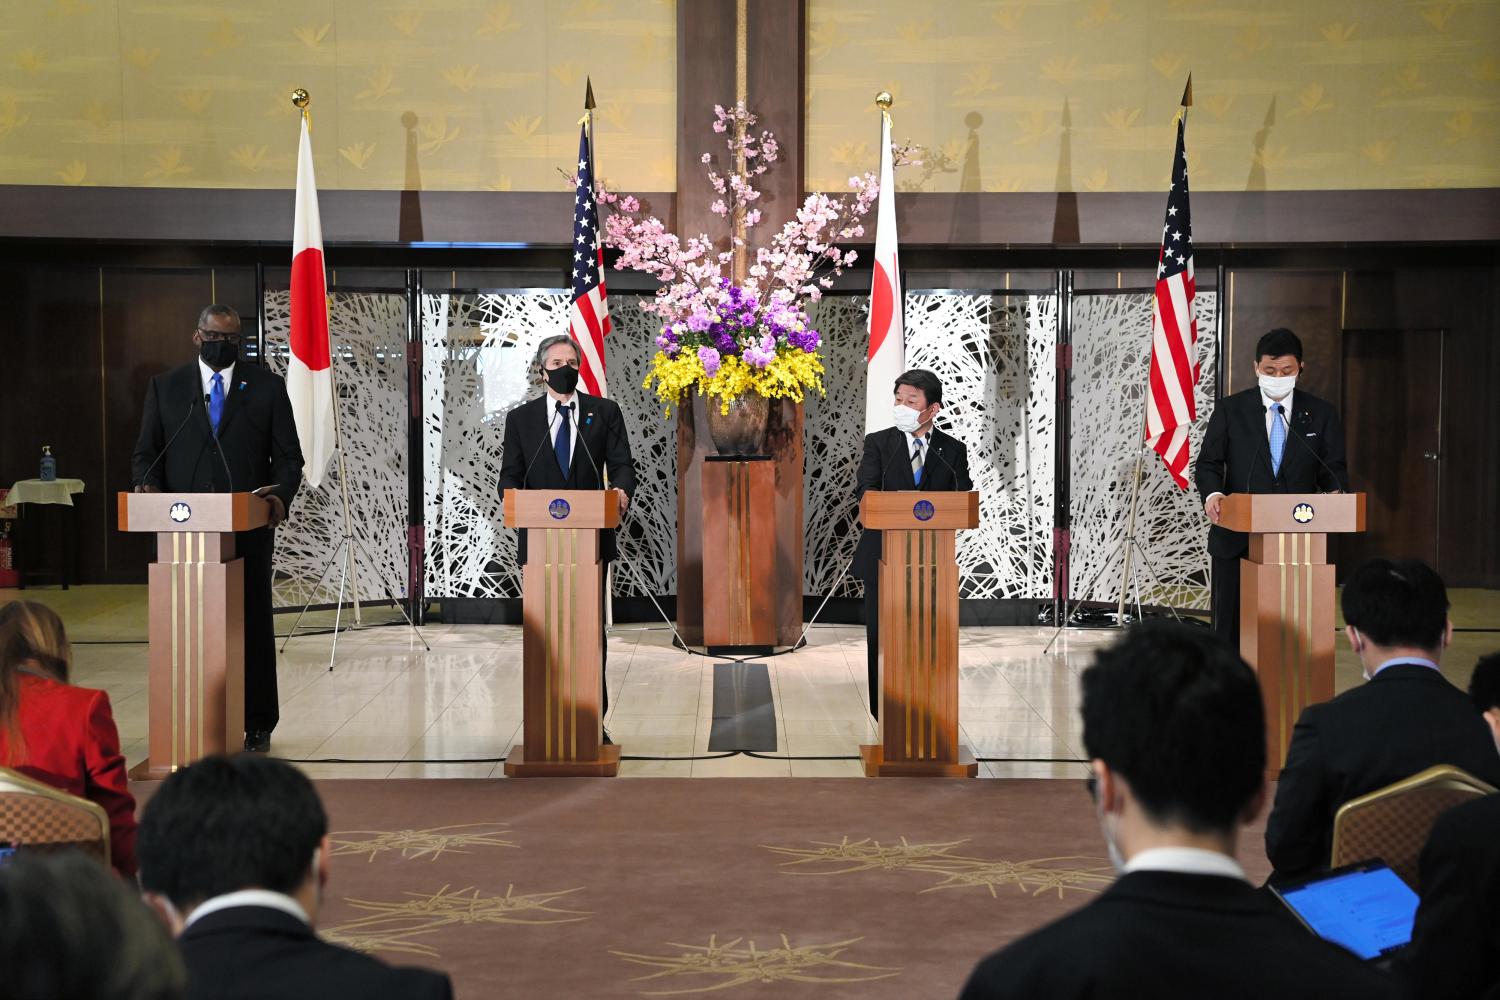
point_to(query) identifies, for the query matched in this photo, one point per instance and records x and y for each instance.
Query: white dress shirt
(208, 378)
(1285, 415)
(1186, 861)
(553, 417)
(248, 897)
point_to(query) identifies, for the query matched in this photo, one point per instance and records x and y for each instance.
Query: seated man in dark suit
(1455, 946)
(1176, 736)
(1273, 438)
(1405, 720)
(234, 854)
(911, 455)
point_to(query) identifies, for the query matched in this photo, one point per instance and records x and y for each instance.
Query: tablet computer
(1364, 907)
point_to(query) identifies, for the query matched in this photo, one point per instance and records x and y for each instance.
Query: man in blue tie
(220, 424)
(565, 439)
(1271, 438)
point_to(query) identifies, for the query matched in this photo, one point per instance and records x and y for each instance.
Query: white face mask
(907, 420)
(1277, 386)
(1106, 828)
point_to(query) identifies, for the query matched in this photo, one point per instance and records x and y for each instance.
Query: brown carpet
(750, 888)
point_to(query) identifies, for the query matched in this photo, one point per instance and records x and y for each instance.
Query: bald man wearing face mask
(1249, 448)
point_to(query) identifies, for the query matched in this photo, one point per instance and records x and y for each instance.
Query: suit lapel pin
(242, 386)
(588, 418)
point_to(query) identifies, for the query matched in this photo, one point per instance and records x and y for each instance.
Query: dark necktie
(563, 443)
(216, 401)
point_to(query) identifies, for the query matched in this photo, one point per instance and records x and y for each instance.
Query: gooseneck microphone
(1337, 484)
(568, 416)
(526, 472)
(192, 406)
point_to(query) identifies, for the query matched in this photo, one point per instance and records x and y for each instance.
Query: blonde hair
(31, 636)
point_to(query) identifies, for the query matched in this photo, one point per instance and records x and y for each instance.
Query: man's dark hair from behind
(1484, 686)
(70, 928)
(924, 381)
(1278, 343)
(1396, 603)
(1179, 715)
(228, 823)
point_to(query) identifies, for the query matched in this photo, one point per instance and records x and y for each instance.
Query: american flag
(588, 317)
(1170, 408)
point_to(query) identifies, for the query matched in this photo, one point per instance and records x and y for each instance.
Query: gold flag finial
(300, 99)
(885, 100)
(1187, 92)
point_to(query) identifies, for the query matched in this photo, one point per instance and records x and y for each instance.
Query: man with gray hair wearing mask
(567, 440)
(1271, 438)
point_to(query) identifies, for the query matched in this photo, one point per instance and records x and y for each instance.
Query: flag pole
(301, 99)
(588, 125)
(1140, 454)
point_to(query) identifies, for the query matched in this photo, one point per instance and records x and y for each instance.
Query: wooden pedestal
(739, 545)
(919, 634)
(562, 632)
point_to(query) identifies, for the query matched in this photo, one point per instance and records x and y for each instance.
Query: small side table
(54, 494)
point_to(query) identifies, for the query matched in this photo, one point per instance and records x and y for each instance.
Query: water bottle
(49, 464)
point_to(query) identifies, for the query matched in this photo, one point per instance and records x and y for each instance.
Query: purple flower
(761, 354)
(710, 359)
(747, 318)
(698, 322)
(804, 340)
(725, 344)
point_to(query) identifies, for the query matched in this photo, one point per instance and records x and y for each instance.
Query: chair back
(1392, 823)
(36, 817)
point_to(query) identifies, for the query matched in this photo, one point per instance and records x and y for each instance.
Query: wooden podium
(197, 627)
(562, 634)
(1287, 599)
(739, 538)
(918, 633)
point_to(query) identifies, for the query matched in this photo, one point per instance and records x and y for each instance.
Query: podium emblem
(923, 510)
(559, 509)
(179, 512)
(1303, 513)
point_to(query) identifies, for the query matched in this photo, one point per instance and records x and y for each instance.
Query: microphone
(1337, 485)
(526, 472)
(163, 453)
(568, 416)
(934, 450)
(1263, 439)
(229, 476)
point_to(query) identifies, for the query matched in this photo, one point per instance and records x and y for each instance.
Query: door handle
(1431, 456)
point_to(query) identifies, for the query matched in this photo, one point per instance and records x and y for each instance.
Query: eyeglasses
(233, 338)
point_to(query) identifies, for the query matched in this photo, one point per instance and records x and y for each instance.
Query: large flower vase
(741, 431)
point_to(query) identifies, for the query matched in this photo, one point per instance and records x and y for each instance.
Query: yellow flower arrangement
(788, 376)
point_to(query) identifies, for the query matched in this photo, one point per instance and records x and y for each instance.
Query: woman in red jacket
(57, 733)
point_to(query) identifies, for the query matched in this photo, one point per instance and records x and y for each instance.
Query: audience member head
(31, 638)
(70, 928)
(1175, 731)
(223, 824)
(1278, 362)
(1484, 688)
(1395, 608)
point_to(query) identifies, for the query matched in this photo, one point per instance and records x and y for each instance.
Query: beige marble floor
(389, 700)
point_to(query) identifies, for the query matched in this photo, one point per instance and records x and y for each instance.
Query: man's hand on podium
(278, 509)
(146, 488)
(1211, 507)
(624, 498)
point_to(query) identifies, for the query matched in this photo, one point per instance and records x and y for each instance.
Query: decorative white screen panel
(477, 355)
(368, 331)
(995, 355)
(1111, 351)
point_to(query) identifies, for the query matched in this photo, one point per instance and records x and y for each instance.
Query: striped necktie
(916, 460)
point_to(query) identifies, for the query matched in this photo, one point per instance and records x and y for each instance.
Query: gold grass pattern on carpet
(415, 845)
(396, 926)
(1039, 875)
(728, 965)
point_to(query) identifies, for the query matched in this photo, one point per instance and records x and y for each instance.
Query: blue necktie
(216, 402)
(1278, 439)
(563, 444)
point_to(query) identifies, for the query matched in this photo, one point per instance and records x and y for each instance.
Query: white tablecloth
(39, 491)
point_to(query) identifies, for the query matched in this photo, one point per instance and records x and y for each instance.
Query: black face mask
(562, 380)
(219, 354)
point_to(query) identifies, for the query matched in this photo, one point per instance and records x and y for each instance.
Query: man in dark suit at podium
(1176, 738)
(217, 425)
(911, 455)
(1269, 439)
(567, 440)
